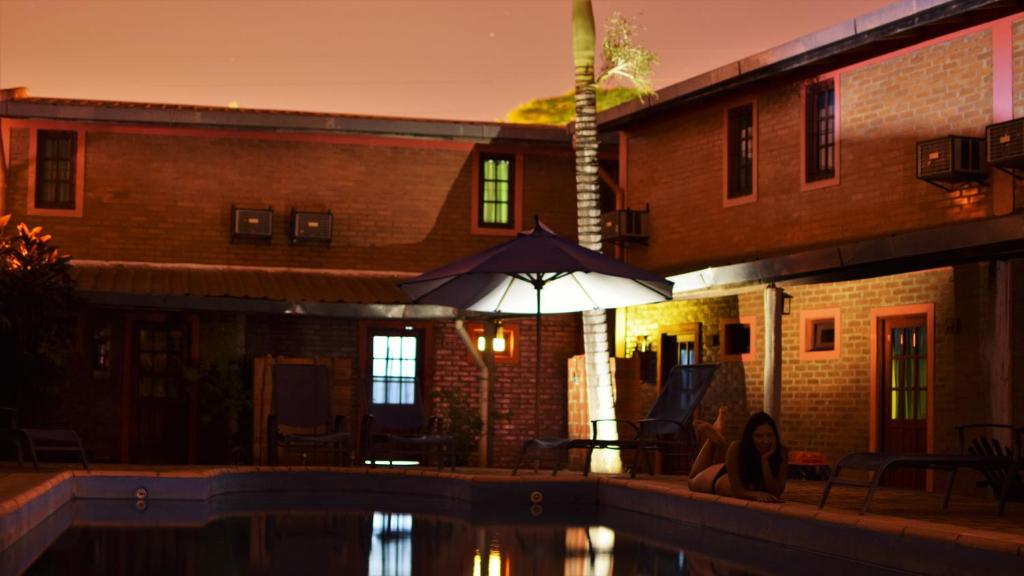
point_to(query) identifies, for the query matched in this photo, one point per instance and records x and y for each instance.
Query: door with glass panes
(904, 393)
(159, 393)
(396, 375)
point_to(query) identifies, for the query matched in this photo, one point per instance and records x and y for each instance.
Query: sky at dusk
(455, 59)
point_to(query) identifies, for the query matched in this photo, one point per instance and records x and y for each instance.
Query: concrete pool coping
(915, 545)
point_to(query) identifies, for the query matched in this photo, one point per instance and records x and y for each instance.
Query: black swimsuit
(721, 472)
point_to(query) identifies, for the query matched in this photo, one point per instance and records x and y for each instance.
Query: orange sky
(458, 59)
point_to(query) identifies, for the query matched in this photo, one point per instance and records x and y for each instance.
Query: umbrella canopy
(537, 272)
(509, 277)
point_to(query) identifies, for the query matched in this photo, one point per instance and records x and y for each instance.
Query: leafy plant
(36, 302)
(463, 421)
(223, 400)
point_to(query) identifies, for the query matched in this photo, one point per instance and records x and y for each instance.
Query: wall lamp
(497, 343)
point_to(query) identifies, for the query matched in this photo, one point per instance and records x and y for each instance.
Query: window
(819, 334)
(737, 338)
(740, 152)
(497, 192)
(390, 545)
(820, 142)
(394, 369)
(823, 335)
(55, 183)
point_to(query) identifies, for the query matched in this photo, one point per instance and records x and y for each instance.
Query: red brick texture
(1018, 68)
(676, 161)
(167, 198)
(826, 403)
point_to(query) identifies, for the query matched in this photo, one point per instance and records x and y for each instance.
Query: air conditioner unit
(252, 223)
(1006, 144)
(951, 159)
(314, 227)
(625, 225)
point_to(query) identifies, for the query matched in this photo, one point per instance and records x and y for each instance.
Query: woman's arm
(732, 465)
(775, 484)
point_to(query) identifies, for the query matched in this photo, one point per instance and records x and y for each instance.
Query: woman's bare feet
(715, 432)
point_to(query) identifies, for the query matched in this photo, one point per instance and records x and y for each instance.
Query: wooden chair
(302, 403)
(389, 446)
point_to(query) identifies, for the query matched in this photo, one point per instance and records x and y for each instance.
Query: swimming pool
(381, 535)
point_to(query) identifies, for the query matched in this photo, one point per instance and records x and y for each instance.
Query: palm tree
(624, 60)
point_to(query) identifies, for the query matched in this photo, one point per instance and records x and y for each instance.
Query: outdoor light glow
(392, 462)
(476, 563)
(494, 563)
(498, 344)
(481, 343)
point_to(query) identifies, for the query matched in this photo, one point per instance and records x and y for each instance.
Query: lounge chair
(667, 428)
(302, 403)
(1000, 466)
(419, 444)
(52, 440)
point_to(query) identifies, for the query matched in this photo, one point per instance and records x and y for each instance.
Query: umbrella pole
(536, 376)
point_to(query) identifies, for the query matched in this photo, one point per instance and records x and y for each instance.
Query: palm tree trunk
(588, 226)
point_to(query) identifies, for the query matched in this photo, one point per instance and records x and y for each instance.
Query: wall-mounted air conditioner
(626, 225)
(314, 227)
(1006, 145)
(252, 223)
(952, 160)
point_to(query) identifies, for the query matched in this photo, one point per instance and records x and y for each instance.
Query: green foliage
(624, 59)
(223, 400)
(36, 303)
(561, 110)
(462, 421)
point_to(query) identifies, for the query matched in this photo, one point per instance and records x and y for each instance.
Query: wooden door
(680, 344)
(904, 393)
(160, 410)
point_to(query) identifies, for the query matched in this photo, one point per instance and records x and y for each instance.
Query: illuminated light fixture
(476, 563)
(391, 462)
(498, 343)
(494, 563)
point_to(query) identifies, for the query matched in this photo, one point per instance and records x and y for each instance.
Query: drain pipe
(485, 390)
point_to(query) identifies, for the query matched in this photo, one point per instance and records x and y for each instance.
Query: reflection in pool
(371, 534)
(347, 542)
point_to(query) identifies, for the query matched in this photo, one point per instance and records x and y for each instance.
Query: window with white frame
(394, 366)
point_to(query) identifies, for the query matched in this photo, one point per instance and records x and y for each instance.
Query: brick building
(802, 163)
(192, 244)
(794, 169)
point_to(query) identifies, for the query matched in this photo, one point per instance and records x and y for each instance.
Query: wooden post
(1002, 349)
(773, 351)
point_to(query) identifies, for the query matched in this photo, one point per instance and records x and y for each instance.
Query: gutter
(485, 390)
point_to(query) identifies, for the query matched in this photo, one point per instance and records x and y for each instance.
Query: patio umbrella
(537, 272)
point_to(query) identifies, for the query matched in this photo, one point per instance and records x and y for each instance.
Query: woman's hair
(750, 459)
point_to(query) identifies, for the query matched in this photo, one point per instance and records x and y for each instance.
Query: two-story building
(870, 308)
(231, 239)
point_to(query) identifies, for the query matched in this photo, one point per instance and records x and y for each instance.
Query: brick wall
(166, 197)
(452, 367)
(826, 403)
(676, 162)
(1018, 69)
(514, 393)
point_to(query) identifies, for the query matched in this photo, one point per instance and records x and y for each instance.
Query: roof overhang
(974, 241)
(249, 289)
(890, 28)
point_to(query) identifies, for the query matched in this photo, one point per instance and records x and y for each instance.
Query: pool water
(369, 535)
